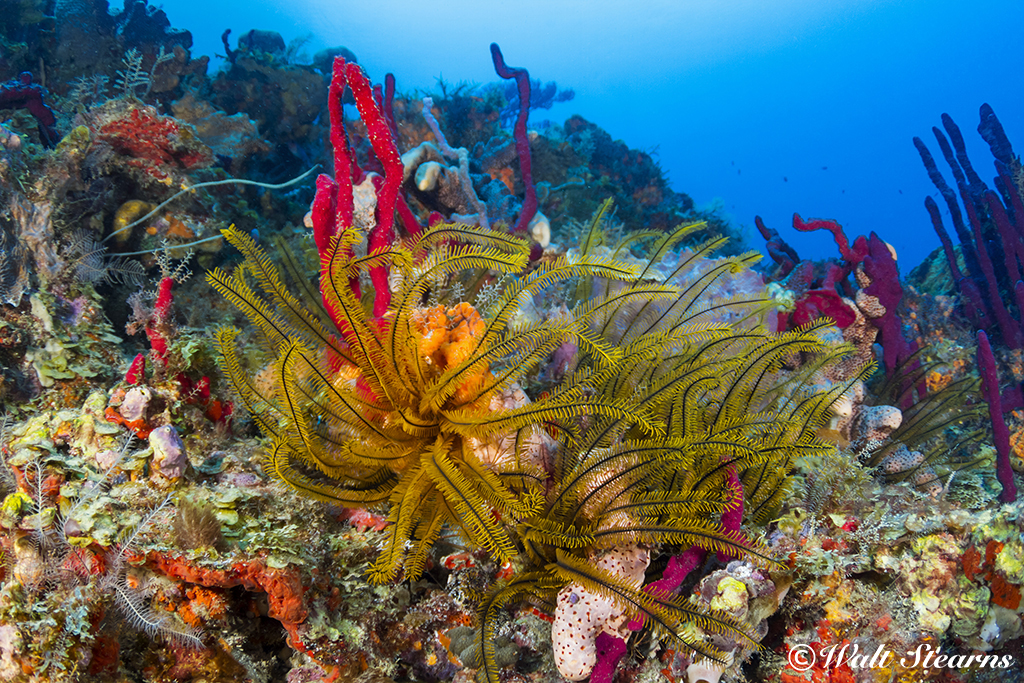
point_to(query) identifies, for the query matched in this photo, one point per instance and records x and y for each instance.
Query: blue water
(808, 106)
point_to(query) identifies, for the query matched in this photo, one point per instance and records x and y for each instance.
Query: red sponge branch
(333, 206)
(158, 326)
(386, 149)
(853, 255)
(137, 371)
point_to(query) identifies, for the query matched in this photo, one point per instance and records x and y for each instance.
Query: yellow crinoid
(679, 417)
(397, 410)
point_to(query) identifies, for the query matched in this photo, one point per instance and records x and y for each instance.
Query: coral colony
(485, 402)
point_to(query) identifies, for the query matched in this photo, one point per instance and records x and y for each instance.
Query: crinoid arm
(679, 410)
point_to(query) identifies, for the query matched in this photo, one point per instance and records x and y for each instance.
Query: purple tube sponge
(1001, 433)
(994, 225)
(610, 650)
(783, 254)
(881, 268)
(992, 131)
(522, 140)
(732, 516)
(974, 181)
(949, 197)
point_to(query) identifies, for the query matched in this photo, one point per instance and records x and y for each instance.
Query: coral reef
(282, 99)
(480, 424)
(394, 403)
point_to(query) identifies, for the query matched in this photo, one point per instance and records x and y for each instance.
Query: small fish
(785, 179)
(255, 234)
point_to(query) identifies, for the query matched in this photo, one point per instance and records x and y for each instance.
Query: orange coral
(283, 587)
(938, 381)
(945, 375)
(991, 550)
(1017, 442)
(446, 338)
(971, 562)
(507, 176)
(204, 603)
(139, 427)
(432, 324)
(1004, 593)
(177, 228)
